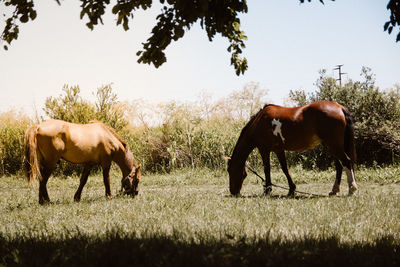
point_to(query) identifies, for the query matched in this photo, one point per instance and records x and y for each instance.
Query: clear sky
(288, 43)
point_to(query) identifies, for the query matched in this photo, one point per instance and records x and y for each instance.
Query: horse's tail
(31, 162)
(349, 144)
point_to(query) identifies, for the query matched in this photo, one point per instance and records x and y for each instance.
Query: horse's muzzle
(131, 193)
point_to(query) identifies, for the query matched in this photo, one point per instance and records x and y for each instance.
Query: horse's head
(237, 175)
(130, 183)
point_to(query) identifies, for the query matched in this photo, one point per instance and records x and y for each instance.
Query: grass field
(187, 218)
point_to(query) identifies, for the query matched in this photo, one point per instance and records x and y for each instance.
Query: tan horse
(89, 144)
(276, 129)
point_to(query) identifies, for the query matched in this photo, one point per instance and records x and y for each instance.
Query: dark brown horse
(89, 144)
(277, 129)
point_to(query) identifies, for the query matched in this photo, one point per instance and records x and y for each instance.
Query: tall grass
(13, 125)
(175, 135)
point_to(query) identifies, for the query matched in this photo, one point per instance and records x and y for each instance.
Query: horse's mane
(247, 126)
(111, 130)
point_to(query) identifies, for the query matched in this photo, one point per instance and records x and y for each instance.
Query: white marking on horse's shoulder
(278, 129)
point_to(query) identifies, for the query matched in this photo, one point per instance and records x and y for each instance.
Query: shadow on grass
(160, 250)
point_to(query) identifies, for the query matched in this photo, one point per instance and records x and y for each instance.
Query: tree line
(175, 134)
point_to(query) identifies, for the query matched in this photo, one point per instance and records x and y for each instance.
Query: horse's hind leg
(350, 179)
(283, 162)
(348, 168)
(83, 180)
(43, 194)
(336, 185)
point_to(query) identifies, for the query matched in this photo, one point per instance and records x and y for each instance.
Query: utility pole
(339, 67)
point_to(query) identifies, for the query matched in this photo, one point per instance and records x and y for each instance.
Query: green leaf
(115, 9)
(24, 18)
(33, 15)
(90, 25)
(83, 12)
(385, 27)
(179, 32)
(236, 25)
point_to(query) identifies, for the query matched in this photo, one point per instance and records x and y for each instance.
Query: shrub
(174, 135)
(192, 134)
(376, 114)
(13, 125)
(69, 106)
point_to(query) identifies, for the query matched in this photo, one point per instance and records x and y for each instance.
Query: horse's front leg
(106, 178)
(265, 155)
(282, 160)
(83, 180)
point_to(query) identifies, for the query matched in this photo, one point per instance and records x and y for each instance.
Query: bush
(192, 134)
(376, 114)
(199, 134)
(13, 125)
(69, 106)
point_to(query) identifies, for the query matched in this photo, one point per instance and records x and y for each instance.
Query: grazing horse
(89, 144)
(275, 128)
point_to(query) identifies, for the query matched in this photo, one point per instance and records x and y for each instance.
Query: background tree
(69, 106)
(176, 17)
(376, 114)
(108, 109)
(241, 104)
(13, 125)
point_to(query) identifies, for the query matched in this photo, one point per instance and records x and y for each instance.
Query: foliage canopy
(176, 17)
(70, 107)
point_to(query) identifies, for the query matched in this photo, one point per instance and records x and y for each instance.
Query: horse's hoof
(44, 201)
(352, 190)
(109, 197)
(267, 190)
(335, 190)
(292, 191)
(291, 194)
(332, 194)
(77, 198)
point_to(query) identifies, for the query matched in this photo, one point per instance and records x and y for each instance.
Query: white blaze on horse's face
(278, 129)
